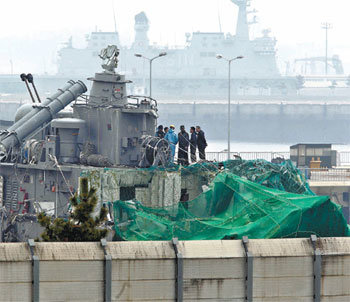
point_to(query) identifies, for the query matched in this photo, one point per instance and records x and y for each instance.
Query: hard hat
(172, 126)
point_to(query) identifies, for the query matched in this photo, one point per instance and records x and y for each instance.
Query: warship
(191, 71)
(43, 154)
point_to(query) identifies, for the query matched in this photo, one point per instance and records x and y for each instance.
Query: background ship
(191, 84)
(192, 71)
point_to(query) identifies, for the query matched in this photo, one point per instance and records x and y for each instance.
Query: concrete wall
(252, 121)
(280, 122)
(152, 188)
(145, 271)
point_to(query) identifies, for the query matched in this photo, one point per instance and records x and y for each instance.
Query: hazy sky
(33, 30)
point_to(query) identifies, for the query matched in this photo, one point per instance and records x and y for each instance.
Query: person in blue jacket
(172, 138)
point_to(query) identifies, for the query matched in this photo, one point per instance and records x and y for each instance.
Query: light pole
(326, 26)
(229, 101)
(162, 54)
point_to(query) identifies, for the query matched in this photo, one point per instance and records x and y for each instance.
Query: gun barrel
(36, 109)
(43, 116)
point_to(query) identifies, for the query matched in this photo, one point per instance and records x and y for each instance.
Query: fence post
(178, 271)
(107, 272)
(249, 270)
(317, 269)
(35, 271)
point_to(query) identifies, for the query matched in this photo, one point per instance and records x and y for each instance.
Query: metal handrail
(343, 157)
(222, 155)
(326, 175)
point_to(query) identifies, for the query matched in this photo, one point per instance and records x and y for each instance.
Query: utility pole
(162, 54)
(229, 61)
(326, 26)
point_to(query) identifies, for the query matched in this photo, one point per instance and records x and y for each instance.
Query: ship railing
(269, 156)
(83, 99)
(326, 174)
(343, 158)
(137, 99)
(140, 98)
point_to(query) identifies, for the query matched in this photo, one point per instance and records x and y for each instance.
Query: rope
(54, 159)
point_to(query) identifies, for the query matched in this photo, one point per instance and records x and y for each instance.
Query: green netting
(285, 176)
(233, 207)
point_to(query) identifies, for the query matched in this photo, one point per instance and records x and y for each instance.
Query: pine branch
(80, 226)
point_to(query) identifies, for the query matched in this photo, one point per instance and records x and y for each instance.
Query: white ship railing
(222, 156)
(343, 158)
(327, 175)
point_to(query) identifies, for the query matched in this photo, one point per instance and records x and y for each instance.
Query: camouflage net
(246, 198)
(284, 177)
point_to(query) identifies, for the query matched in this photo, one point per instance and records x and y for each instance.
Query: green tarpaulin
(234, 207)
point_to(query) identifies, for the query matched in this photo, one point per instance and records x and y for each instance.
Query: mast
(242, 31)
(114, 18)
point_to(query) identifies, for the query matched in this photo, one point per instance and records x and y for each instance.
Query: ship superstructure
(43, 154)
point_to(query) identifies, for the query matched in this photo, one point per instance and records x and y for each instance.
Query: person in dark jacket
(201, 142)
(193, 144)
(160, 133)
(184, 142)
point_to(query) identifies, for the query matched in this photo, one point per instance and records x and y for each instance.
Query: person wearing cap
(160, 133)
(172, 138)
(184, 143)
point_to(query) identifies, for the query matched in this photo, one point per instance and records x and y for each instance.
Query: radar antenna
(110, 56)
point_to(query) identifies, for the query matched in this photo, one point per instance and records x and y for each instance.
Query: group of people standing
(185, 141)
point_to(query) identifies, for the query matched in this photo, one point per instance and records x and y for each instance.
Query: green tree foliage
(80, 226)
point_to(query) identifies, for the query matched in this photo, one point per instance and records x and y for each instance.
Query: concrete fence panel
(254, 270)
